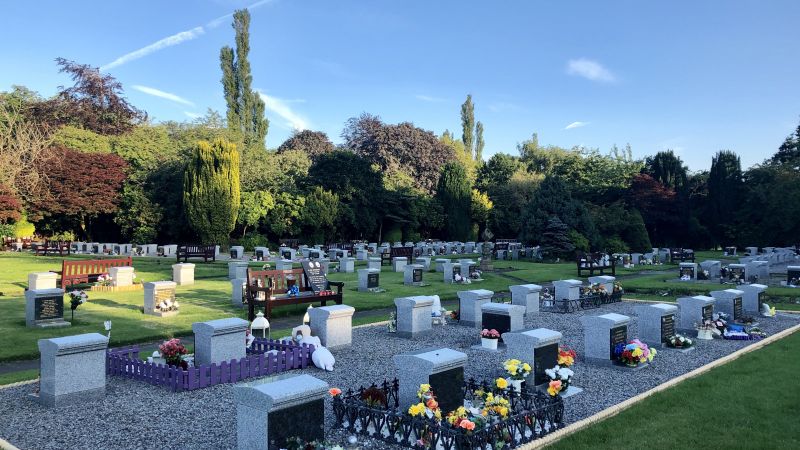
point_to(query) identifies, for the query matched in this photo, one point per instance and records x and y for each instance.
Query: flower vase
(491, 344)
(516, 385)
(705, 335)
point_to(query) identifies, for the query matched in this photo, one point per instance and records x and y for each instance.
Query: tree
(82, 186)
(23, 149)
(479, 143)
(668, 169)
(555, 241)
(82, 140)
(724, 194)
(510, 198)
(10, 206)
(398, 148)
(320, 214)
(211, 193)
(455, 195)
(497, 171)
(481, 208)
(285, 218)
(461, 154)
(95, 102)
(254, 207)
(245, 106)
(468, 125)
(553, 199)
(658, 205)
(313, 143)
(789, 152)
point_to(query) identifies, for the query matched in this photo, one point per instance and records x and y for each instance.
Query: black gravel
(135, 415)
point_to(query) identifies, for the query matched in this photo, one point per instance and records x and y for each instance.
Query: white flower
(551, 373)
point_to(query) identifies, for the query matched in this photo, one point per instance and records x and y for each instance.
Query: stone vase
(491, 344)
(705, 335)
(516, 385)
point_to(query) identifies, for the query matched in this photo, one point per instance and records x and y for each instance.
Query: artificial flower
(501, 383)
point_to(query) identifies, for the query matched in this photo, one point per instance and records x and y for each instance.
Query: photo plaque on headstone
(417, 276)
(617, 335)
(456, 271)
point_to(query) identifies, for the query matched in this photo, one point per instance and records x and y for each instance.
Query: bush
(251, 241)
(394, 234)
(6, 229)
(578, 240)
(23, 228)
(63, 236)
(616, 245)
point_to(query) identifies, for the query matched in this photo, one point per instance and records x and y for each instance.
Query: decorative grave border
(125, 362)
(534, 415)
(591, 301)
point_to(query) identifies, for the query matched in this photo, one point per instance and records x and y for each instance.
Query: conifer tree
(455, 195)
(468, 125)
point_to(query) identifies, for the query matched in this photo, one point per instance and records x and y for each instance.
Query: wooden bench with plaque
(269, 289)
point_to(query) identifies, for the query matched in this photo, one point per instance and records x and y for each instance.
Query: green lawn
(751, 402)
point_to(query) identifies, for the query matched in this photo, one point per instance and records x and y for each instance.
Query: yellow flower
(636, 352)
(502, 383)
(527, 367)
(417, 410)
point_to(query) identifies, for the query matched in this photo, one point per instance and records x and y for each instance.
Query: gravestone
(285, 407)
(121, 276)
(469, 247)
(502, 317)
(793, 275)
(736, 272)
(362, 255)
(237, 252)
(219, 340)
(368, 280)
(451, 269)
(526, 295)
(601, 334)
(469, 305)
(324, 263)
(695, 310)
(261, 253)
(374, 263)
(636, 258)
(72, 369)
(333, 325)
(752, 251)
(567, 289)
(688, 269)
(183, 274)
(237, 269)
(154, 293)
(753, 297)
(283, 264)
(414, 316)
(315, 275)
(656, 322)
(412, 274)
(606, 281)
(756, 271)
(713, 267)
(44, 308)
(425, 261)
(170, 250)
(399, 263)
(730, 302)
(238, 286)
(42, 280)
(537, 347)
(442, 368)
(440, 262)
(347, 265)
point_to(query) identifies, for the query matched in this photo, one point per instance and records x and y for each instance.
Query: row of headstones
(748, 269)
(128, 249)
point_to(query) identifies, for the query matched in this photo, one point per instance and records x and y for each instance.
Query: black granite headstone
(545, 357)
(233, 254)
(456, 271)
(737, 308)
(305, 421)
(617, 335)
(47, 308)
(316, 278)
(499, 322)
(259, 255)
(707, 312)
(372, 280)
(287, 254)
(667, 327)
(448, 387)
(792, 275)
(417, 276)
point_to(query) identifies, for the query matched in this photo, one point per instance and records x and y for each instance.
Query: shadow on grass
(112, 304)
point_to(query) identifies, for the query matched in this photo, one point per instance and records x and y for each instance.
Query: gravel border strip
(618, 408)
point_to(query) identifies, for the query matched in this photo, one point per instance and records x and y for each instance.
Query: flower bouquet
(566, 357)
(167, 305)
(455, 314)
(489, 338)
(634, 353)
(757, 333)
(517, 371)
(720, 321)
(560, 374)
(104, 280)
(618, 288)
(391, 325)
(706, 330)
(680, 342)
(173, 353)
(296, 443)
(77, 298)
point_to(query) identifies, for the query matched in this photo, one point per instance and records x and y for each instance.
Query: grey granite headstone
(414, 316)
(238, 286)
(219, 340)
(374, 263)
(657, 322)
(601, 334)
(368, 279)
(425, 261)
(757, 271)
(469, 305)
(72, 369)
(694, 310)
(440, 262)
(269, 413)
(567, 289)
(713, 267)
(688, 268)
(526, 295)
(607, 281)
(412, 274)
(237, 252)
(42, 280)
(237, 269)
(502, 317)
(730, 302)
(450, 271)
(333, 325)
(538, 347)
(44, 308)
(752, 297)
(347, 265)
(442, 368)
(399, 263)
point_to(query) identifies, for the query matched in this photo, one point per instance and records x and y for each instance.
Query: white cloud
(282, 109)
(428, 98)
(161, 94)
(168, 41)
(576, 125)
(222, 19)
(192, 115)
(591, 70)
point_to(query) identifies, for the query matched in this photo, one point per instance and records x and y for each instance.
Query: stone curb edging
(616, 409)
(636, 300)
(5, 445)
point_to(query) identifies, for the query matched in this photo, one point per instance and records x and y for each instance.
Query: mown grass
(751, 402)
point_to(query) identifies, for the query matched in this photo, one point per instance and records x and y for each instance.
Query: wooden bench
(591, 262)
(267, 289)
(397, 252)
(291, 243)
(87, 271)
(681, 255)
(187, 251)
(53, 247)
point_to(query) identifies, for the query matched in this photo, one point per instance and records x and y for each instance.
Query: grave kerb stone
(219, 340)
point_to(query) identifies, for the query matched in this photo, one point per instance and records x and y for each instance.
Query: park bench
(291, 243)
(592, 262)
(52, 248)
(397, 252)
(268, 289)
(681, 255)
(187, 251)
(87, 271)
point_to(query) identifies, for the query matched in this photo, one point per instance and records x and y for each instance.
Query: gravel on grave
(135, 415)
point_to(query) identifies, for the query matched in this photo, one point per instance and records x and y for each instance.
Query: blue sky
(692, 76)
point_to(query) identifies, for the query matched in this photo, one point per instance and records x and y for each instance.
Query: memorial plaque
(545, 357)
(737, 271)
(667, 327)
(792, 276)
(287, 254)
(761, 300)
(163, 294)
(456, 271)
(305, 421)
(448, 386)
(499, 322)
(48, 308)
(737, 308)
(373, 280)
(417, 276)
(472, 269)
(707, 313)
(233, 254)
(315, 276)
(259, 255)
(617, 335)
(687, 272)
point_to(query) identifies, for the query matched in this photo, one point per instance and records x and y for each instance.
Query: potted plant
(517, 372)
(562, 375)
(706, 330)
(173, 351)
(489, 338)
(680, 342)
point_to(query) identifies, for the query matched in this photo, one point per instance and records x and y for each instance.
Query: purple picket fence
(125, 362)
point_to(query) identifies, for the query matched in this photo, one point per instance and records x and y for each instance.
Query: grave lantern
(260, 323)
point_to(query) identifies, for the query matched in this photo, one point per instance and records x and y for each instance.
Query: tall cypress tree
(245, 106)
(479, 141)
(468, 125)
(455, 195)
(724, 188)
(211, 192)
